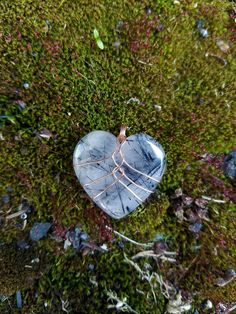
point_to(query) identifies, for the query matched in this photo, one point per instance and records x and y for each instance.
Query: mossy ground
(74, 88)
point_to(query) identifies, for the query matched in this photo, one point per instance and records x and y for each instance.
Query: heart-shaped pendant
(118, 173)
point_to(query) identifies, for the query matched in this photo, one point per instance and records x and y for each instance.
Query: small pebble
(39, 230)
(148, 10)
(6, 199)
(120, 244)
(22, 245)
(76, 244)
(178, 192)
(116, 44)
(196, 228)
(158, 237)
(203, 32)
(157, 107)
(133, 100)
(84, 236)
(104, 247)
(207, 305)
(200, 24)
(67, 243)
(230, 273)
(77, 231)
(222, 45)
(180, 214)
(91, 267)
(18, 299)
(201, 202)
(187, 200)
(45, 133)
(26, 85)
(229, 165)
(71, 236)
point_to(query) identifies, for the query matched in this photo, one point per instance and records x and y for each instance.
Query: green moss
(17, 270)
(75, 88)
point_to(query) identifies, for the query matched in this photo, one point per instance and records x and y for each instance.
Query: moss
(17, 270)
(74, 88)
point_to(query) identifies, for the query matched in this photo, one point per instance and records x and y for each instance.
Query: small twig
(160, 256)
(80, 74)
(190, 265)
(20, 212)
(213, 199)
(61, 3)
(222, 60)
(231, 309)
(222, 282)
(64, 305)
(24, 224)
(142, 62)
(145, 245)
(92, 246)
(121, 305)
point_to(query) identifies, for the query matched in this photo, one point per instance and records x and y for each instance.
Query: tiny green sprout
(98, 39)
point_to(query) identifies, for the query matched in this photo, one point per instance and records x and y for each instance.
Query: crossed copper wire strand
(116, 169)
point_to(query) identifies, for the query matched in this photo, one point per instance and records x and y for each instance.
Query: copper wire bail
(122, 137)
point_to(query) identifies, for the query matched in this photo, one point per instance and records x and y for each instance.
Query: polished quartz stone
(118, 175)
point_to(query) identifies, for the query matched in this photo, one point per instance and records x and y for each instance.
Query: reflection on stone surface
(118, 176)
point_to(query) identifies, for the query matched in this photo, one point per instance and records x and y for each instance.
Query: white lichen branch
(153, 279)
(165, 255)
(121, 304)
(145, 245)
(177, 305)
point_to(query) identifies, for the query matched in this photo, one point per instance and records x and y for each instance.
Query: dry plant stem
(145, 245)
(64, 305)
(190, 265)
(165, 288)
(145, 275)
(222, 60)
(142, 62)
(24, 224)
(161, 256)
(213, 199)
(16, 214)
(231, 309)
